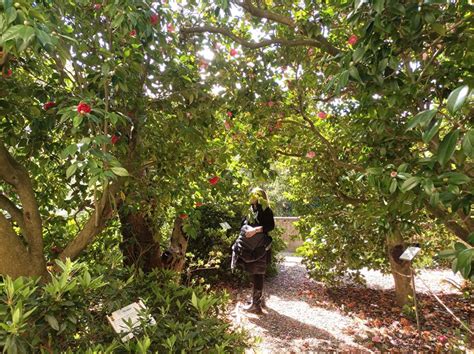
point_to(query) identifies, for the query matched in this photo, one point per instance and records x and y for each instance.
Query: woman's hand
(253, 231)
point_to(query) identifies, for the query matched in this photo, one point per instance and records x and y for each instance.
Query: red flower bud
(97, 6)
(233, 52)
(83, 108)
(170, 28)
(48, 105)
(352, 40)
(183, 216)
(198, 204)
(322, 115)
(114, 139)
(310, 154)
(214, 180)
(154, 18)
(229, 114)
(133, 33)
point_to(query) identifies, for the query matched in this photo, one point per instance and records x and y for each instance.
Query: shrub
(210, 251)
(69, 313)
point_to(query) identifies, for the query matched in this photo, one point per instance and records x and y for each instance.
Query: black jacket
(253, 253)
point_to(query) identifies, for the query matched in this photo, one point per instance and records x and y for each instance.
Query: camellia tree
(104, 112)
(369, 104)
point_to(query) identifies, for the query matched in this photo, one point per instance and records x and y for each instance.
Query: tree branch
(16, 214)
(452, 225)
(326, 46)
(16, 175)
(287, 21)
(269, 15)
(288, 153)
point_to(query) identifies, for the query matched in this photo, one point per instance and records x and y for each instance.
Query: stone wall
(290, 234)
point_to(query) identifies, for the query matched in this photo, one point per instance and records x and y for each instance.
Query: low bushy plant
(69, 313)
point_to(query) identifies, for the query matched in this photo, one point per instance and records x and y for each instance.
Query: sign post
(124, 320)
(408, 255)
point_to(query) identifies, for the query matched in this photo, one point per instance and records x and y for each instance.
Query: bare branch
(324, 45)
(287, 21)
(288, 153)
(269, 15)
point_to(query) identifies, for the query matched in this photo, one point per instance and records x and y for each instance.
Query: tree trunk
(20, 255)
(175, 256)
(139, 246)
(400, 269)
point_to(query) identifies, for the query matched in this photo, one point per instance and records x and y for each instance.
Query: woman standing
(253, 248)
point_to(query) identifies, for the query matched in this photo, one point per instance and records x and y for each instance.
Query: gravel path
(294, 322)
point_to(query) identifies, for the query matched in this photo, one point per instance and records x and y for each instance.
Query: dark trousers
(258, 282)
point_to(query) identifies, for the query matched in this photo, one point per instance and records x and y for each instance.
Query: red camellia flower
(114, 139)
(352, 39)
(310, 154)
(133, 33)
(97, 7)
(48, 105)
(393, 174)
(229, 114)
(8, 73)
(83, 108)
(233, 52)
(214, 180)
(322, 115)
(183, 216)
(154, 18)
(170, 28)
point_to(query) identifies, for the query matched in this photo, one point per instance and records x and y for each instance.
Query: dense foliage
(70, 313)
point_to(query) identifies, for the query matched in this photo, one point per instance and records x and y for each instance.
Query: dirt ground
(303, 315)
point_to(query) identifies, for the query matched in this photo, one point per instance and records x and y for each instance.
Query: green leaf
(468, 143)
(447, 147)
(422, 118)
(10, 15)
(434, 199)
(358, 54)
(457, 98)
(120, 171)
(375, 171)
(53, 322)
(11, 33)
(71, 170)
(410, 183)
(194, 300)
(77, 120)
(455, 178)
(355, 73)
(379, 6)
(393, 185)
(431, 131)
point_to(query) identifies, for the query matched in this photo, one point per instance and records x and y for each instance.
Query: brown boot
(256, 304)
